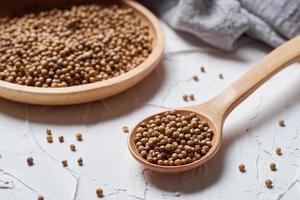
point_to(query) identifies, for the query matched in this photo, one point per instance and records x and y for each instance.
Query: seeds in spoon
(281, 123)
(73, 45)
(173, 139)
(242, 168)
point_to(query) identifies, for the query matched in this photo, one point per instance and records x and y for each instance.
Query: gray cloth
(221, 23)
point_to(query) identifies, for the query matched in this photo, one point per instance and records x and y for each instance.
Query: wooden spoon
(216, 110)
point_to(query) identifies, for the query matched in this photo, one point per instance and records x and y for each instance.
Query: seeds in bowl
(173, 139)
(71, 46)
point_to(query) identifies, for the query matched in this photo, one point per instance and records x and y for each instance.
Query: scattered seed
(192, 97)
(278, 151)
(242, 168)
(281, 123)
(202, 69)
(125, 129)
(221, 76)
(74, 45)
(269, 183)
(79, 137)
(48, 131)
(40, 197)
(185, 97)
(273, 166)
(99, 192)
(80, 161)
(173, 139)
(64, 163)
(30, 161)
(61, 139)
(195, 78)
(49, 138)
(72, 147)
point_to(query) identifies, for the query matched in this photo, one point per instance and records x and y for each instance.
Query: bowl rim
(155, 55)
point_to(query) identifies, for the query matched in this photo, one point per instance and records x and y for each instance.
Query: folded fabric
(221, 23)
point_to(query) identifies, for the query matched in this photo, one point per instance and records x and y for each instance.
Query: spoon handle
(279, 58)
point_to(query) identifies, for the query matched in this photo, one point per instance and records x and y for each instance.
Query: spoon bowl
(216, 110)
(174, 169)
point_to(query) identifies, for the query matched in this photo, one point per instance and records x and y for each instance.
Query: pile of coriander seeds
(173, 139)
(73, 45)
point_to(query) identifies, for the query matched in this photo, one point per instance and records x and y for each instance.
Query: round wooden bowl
(97, 90)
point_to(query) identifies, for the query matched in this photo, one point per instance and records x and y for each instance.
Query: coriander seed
(269, 183)
(273, 166)
(48, 131)
(40, 197)
(173, 139)
(125, 129)
(202, 69)
(49, 138)
(64, 163)
(242, 168)
(29, 161)
(185, 97)
(61, 139)
(195, 78)
(72, 147)
(278, 151)
(99, 192)
(72, 45)
(79, 137)
(80, 161)
(281, 123)
(192, 97)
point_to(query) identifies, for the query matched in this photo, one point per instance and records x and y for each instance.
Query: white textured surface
(251, 133)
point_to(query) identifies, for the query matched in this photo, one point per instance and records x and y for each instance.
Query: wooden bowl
(97, 90)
